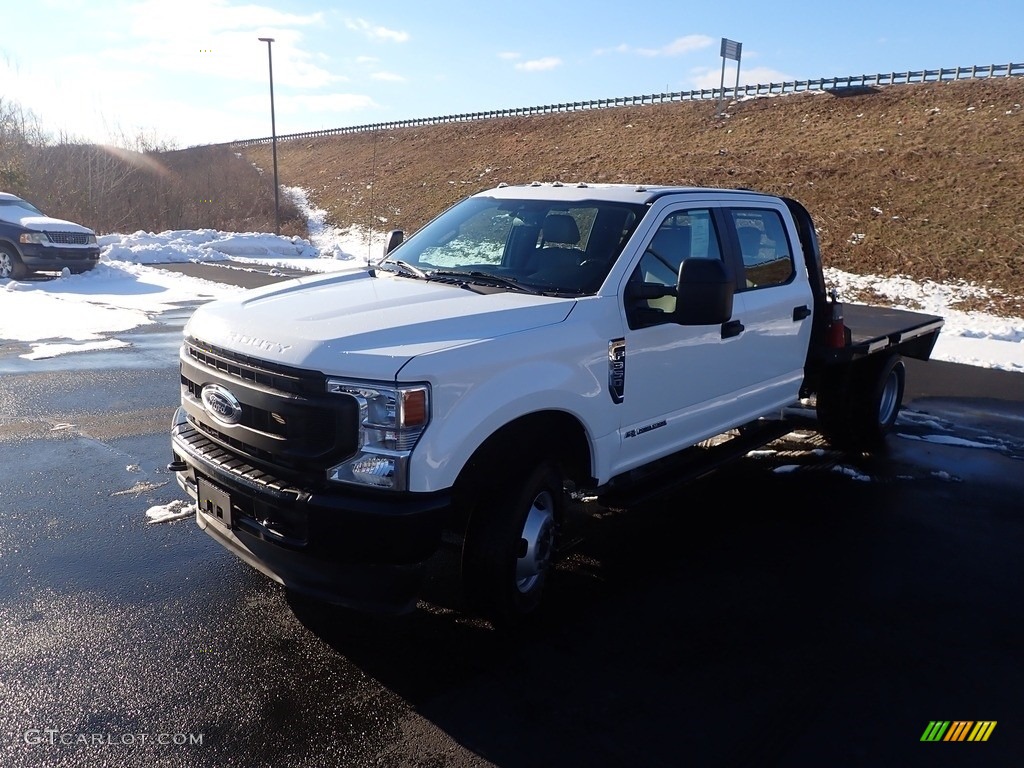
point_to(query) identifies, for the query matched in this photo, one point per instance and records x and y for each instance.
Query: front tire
(11, 265)
(511, 544)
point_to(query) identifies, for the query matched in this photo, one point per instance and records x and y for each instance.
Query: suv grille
(69, 238)
(289, 424)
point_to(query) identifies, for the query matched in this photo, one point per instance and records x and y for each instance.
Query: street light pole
(273, 135)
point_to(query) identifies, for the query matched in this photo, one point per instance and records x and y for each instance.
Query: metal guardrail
(744, 91)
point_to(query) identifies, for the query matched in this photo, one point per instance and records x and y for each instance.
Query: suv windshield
(544, 245)
(12, 207)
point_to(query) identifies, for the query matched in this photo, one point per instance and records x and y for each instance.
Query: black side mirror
(704, 293)
(395, 238)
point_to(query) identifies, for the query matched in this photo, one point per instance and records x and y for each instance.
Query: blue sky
(193, 72)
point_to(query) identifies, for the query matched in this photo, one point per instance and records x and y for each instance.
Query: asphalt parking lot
(800, 607)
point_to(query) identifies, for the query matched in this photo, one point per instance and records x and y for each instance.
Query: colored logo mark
(958, 730)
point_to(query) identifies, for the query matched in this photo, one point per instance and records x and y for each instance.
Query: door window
(681, 235)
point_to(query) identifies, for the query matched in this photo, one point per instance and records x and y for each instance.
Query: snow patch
(167, 513)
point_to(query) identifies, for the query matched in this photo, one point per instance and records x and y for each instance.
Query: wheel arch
(553, 435)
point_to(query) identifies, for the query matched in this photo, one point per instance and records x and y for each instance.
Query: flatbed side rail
(878, 329)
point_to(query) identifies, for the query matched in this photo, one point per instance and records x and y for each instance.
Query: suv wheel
(10, 264)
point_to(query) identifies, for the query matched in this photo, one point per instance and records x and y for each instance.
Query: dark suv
(32, 241)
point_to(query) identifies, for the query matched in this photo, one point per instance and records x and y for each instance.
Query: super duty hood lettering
(273, 347)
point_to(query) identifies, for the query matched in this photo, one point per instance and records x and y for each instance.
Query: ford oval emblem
(221, 404)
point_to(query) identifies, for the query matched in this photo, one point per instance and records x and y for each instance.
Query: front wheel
(10, 265)
(511, 545)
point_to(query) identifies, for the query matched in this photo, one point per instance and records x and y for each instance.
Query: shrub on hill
(113, 189)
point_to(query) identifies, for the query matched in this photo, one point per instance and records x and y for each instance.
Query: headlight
(93, 240)
(391, 419)
(34, 237)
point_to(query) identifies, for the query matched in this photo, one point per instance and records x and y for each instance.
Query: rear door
(777, 300)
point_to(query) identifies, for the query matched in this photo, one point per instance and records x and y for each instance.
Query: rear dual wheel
(857, 406)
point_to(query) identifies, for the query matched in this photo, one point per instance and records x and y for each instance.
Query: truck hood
(355, 324)
(38, 223)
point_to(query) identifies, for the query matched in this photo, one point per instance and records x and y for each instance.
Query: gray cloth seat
(560, 237)
(560, 228)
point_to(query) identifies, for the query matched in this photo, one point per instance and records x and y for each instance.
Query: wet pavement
(798, 608)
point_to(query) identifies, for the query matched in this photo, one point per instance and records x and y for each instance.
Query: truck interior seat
(560, 238)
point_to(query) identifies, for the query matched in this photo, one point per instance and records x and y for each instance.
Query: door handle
(800, 313)
(732, 328)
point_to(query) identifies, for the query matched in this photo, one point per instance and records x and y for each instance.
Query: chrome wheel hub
(890, 394)
(537, 543)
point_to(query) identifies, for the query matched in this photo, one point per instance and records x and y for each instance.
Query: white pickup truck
(338, 432)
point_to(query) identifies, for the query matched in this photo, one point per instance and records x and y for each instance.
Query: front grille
(246, 368)
(289, 424)
(69, 238)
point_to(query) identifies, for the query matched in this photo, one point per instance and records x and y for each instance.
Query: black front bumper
(48, 258)
(364, 550)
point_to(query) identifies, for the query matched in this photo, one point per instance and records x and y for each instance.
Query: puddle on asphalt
(154, 345)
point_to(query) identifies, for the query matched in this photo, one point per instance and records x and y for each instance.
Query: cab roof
(620, 193)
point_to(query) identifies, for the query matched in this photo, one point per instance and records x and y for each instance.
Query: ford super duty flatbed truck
(532, 341)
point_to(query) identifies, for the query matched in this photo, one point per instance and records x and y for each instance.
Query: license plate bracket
(214, 501)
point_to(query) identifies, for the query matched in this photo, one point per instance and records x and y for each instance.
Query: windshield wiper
(404, 268)
(485, 277)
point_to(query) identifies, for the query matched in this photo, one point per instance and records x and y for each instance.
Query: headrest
(561, 228)
(673, 242)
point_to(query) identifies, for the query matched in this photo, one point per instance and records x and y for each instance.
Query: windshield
(12, 210)
(541, 245)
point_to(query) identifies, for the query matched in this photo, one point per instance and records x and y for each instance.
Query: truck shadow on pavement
(757, 617)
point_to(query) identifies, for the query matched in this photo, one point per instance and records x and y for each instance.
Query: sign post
(730, 50)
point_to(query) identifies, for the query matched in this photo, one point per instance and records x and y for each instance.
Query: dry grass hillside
(923, 180)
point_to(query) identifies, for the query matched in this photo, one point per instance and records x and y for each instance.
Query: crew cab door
(777, 298)
(683, 384)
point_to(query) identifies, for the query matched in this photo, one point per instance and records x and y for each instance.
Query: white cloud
(509, 55)
(331, 102)
(710, 77)
(303, 103)
(213, 38)
(678, 47)
(539, 65)
(389, 77)
(620, 48)
(376, 32)
(682, 45)
(195, 19)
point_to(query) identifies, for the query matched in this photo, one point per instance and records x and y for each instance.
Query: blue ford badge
(221, 404)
